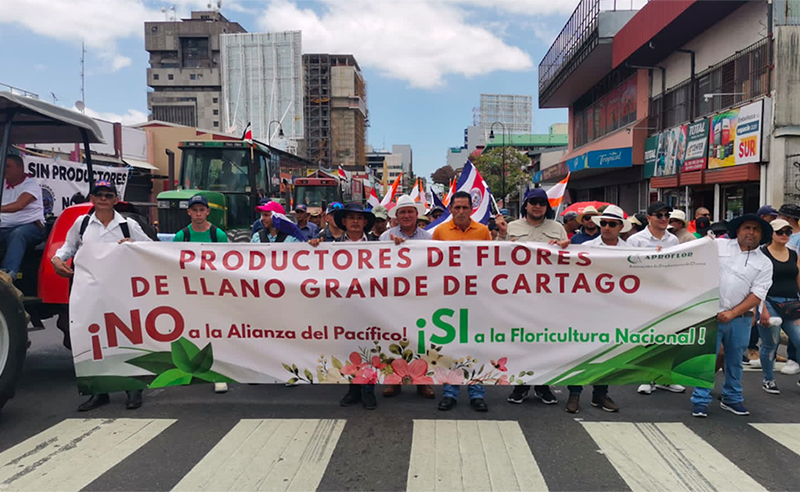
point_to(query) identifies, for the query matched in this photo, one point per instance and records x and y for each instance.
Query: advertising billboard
(736, 136)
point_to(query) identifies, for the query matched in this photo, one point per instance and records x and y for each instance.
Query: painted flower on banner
(435, 360)
(405, 373)
(448, 376)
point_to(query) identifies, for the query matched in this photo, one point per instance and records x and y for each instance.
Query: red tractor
(44, 294)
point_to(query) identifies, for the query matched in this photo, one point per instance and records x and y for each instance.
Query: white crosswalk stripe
(666, 456)
(273, 454)
(471, 455)
(72, 454)
(785, 434)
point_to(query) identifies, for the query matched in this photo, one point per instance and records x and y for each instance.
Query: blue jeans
(474, 390)
(771, 337)
(735, 336)
(17, 240)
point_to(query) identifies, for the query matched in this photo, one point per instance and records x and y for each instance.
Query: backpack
(263, 235)
(123, 226)
(187, 235)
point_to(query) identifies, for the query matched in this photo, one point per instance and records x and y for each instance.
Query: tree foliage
(490, 165)
(443, 175)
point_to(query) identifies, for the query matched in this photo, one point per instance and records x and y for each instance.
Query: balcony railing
(577, 39)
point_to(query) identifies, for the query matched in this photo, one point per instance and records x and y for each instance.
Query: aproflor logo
(639, 259)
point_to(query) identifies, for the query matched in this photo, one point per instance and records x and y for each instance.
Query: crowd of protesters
(759, 267)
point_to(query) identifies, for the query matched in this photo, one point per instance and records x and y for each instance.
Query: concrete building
(512, 112)
(336, 115)
(184, 72)
(407, 162)
(262, 84)
(385, 166)
(473, 138)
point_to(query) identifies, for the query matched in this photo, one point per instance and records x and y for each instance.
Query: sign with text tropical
(695, 157)
(425, 312)
(651, 155)
(736, 136)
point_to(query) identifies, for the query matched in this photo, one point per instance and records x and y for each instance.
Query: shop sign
(696, 146)
(671, 151)
(602, 159)
(736, 136)
(537, 176)
(651, 155)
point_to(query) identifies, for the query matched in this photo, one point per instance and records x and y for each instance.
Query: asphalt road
(653, 443)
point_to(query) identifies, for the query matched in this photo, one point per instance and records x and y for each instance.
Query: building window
(153, 28)
(216, 124)
(155, 76)
(193, 76)
(170, 76)
(216, 112)
(195, 52)
(199, 76)
(215, 100)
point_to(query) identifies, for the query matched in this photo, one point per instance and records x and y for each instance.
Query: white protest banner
(61, 179)
(425, 312)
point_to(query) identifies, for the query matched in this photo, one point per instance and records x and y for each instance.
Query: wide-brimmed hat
(339, 215)
(380, 212)
(735, 224)
(590, 210)
(406, 201)
(613, 212)
(541, 194)
(790, 210)
(424, 218)
(678, 215)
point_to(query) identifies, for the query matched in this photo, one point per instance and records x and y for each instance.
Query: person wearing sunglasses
(332, 232)
(785, 283)
(537, 226)
(655, 235)
(677, 226)
(589, 229)
(102, 225)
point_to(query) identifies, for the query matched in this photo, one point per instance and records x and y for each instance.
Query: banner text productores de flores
(425, 312)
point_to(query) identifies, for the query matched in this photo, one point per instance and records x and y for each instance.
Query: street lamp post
(503, 176)
(269, 133)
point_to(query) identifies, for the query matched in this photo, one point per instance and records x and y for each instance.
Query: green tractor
(233, 176)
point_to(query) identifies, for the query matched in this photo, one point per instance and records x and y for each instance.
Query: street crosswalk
(444, 455)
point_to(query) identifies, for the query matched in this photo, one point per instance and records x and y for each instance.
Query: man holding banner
(537, 226)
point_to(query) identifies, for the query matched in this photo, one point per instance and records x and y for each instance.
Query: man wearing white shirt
(103, 225)
(745, 277)
(21, 214)
(655, 235)
(612, 223)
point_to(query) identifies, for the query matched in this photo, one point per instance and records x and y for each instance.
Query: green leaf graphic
(156, 363)
(203, 361)
(213, 377)
(183, 351)
(173, 377)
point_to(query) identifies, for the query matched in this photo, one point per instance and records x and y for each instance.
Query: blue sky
(426, 62)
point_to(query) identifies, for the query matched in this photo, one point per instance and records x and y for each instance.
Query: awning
(139, 164)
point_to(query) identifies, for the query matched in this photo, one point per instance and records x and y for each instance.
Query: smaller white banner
(61, 179)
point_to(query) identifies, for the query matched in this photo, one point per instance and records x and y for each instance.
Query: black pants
(753, 345)
(597, 390)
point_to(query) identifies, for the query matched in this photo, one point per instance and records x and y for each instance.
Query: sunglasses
(610, 223)
(538, 201)
(107, 196)
(784, 232)
(661, 215)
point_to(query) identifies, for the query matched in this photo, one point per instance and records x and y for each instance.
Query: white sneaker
(791, 367)
(645, 389)
(674, 388)
(755, 363)
(220, 387)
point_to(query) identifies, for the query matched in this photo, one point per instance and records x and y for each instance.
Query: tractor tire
(239, 236)
(13, 340)
(148, 229)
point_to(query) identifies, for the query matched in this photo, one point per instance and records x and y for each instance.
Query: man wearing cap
(309, 229)
(612, 223)
(745, 277)
(700, 212)
(200, 230)
(407, 212)
(655, 235)
(269, 233)
(381, 222)
(589, 229)
(461, 228)
(102, 225)
(315, 217)
(791, 214)
(571, 223)
(767, 213)
(331, 232)
(536, 226)
(21, 214)
(677, 224)
(436, 212)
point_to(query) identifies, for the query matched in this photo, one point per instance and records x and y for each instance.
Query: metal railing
(17, 91)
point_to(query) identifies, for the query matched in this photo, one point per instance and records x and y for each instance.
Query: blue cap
(334, 206)
(104, 184)
(198, 199)
(767, 210)
(301, 208)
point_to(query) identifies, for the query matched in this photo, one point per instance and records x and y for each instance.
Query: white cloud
(132, 117)
(419, 41)
(39, 67)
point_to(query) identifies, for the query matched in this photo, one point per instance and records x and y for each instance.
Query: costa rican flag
(373, 201)
(247, 136)
(471, 182)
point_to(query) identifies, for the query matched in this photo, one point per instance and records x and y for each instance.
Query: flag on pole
(389, 198)
(437, 202)
(423, 195)
(556, 193)
(342, 174)
(247, 136)
(472, 182)
(415, 192)
(373, 201)
(451, 189)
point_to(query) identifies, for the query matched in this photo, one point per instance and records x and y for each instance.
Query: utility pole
(83, 77)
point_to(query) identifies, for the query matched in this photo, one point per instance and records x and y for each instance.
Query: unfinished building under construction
(335, 113)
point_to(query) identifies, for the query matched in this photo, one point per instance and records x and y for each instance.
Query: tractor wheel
(13, 340)
(239, 236)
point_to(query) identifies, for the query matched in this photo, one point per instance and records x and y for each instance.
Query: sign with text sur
(424, 312)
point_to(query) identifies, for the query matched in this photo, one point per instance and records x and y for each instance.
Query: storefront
(712, 162)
